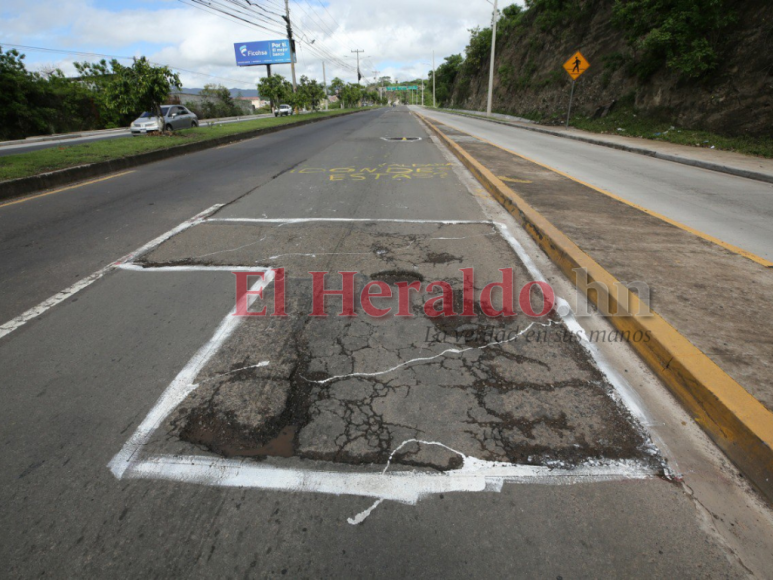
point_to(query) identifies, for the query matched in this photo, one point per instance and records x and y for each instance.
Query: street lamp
(491, 66)
(422, 80)
(434, 104)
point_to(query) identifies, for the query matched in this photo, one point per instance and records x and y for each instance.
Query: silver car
(283, 110)
(175, 117)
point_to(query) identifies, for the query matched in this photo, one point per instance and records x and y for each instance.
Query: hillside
(699, 64)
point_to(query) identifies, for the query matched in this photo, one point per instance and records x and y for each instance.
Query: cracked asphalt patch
(351, 390)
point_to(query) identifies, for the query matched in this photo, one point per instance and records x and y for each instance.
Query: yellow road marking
(511, 180)
(737, 422)
(735, 249)
(66, 188)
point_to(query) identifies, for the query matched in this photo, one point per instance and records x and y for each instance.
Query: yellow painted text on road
(392, 171)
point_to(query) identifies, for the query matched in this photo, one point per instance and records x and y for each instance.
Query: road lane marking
(475, 475)
(182, 385)
(305, 220)
(709, 238)
(63, 295)
(66, 188)
(511, 180)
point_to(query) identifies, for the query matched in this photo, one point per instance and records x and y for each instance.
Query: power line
(96, 54)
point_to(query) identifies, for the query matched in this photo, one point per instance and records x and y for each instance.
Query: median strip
(739, 423)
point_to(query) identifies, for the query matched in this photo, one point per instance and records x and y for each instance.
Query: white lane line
(630, 398)
(409, 487)
(626, 393)
(402, 486)
(189, 268)
(182, 385)
(60, 297)
(305, 220)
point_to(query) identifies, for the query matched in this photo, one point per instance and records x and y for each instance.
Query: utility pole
(324, 83)
(422, 92)
(433, 80)
(292, 42)
(358, 62)
(491, 66)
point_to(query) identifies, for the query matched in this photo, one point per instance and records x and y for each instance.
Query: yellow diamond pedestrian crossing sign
(576, 65)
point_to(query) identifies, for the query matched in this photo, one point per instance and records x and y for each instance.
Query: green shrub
(685, 35)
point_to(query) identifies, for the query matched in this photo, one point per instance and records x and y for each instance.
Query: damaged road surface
(153, 428)
(362, 389)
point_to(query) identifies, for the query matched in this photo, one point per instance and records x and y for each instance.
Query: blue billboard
(263, 52)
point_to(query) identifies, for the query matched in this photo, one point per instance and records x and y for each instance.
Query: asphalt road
(736, 210)
(146, 432)
(26, 146)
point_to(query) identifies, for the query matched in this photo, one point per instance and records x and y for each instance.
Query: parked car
(283, 110)
(175, 117)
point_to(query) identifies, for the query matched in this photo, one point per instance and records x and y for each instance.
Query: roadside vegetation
(688, 41)
(104, 96)
(107, 95)
(45, 160)
(625, 120)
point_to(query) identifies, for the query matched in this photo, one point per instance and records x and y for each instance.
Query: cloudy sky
(398, 36)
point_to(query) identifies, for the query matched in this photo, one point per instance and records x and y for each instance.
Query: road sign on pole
(574, 67)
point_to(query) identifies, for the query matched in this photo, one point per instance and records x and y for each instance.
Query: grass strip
(64, 156)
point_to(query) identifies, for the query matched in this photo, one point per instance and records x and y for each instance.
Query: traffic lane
(38, 146)
(732, 209)
(91, 389)
(22, 147)
(48, 243)
(369, 173)
(92, 369)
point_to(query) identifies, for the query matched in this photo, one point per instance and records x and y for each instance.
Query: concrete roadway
(79, 380)
(736, 210)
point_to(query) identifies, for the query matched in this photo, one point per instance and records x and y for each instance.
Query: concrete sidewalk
(737, 164)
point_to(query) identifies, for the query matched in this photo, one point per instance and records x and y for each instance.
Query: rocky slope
(734, 99)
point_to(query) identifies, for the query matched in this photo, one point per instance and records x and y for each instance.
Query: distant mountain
(234, 92)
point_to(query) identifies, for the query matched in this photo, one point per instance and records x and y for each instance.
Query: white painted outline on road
(305, 220)
(63, 295)
(408, 487)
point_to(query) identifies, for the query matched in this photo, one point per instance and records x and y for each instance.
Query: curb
(767, 178)
(25, 185)
(737, 422)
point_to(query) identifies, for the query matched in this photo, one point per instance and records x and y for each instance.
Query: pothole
(393, 276)
(402, 139)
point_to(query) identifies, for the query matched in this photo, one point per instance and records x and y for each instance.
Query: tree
(19, 116)
(310, 93)
(685, 35)
(445, 76)
(140, 87)
(35, 104)
(275, 89)
(351, 94)
(219, 102)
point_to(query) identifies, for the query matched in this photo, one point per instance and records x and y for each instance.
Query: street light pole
(433, 80)
(358, 63)
(491, 66)
(292, 42)
(324, 83)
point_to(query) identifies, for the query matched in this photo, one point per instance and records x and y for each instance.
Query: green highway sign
(411, 88)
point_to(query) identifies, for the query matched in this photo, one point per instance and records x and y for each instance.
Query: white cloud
(398, 36)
